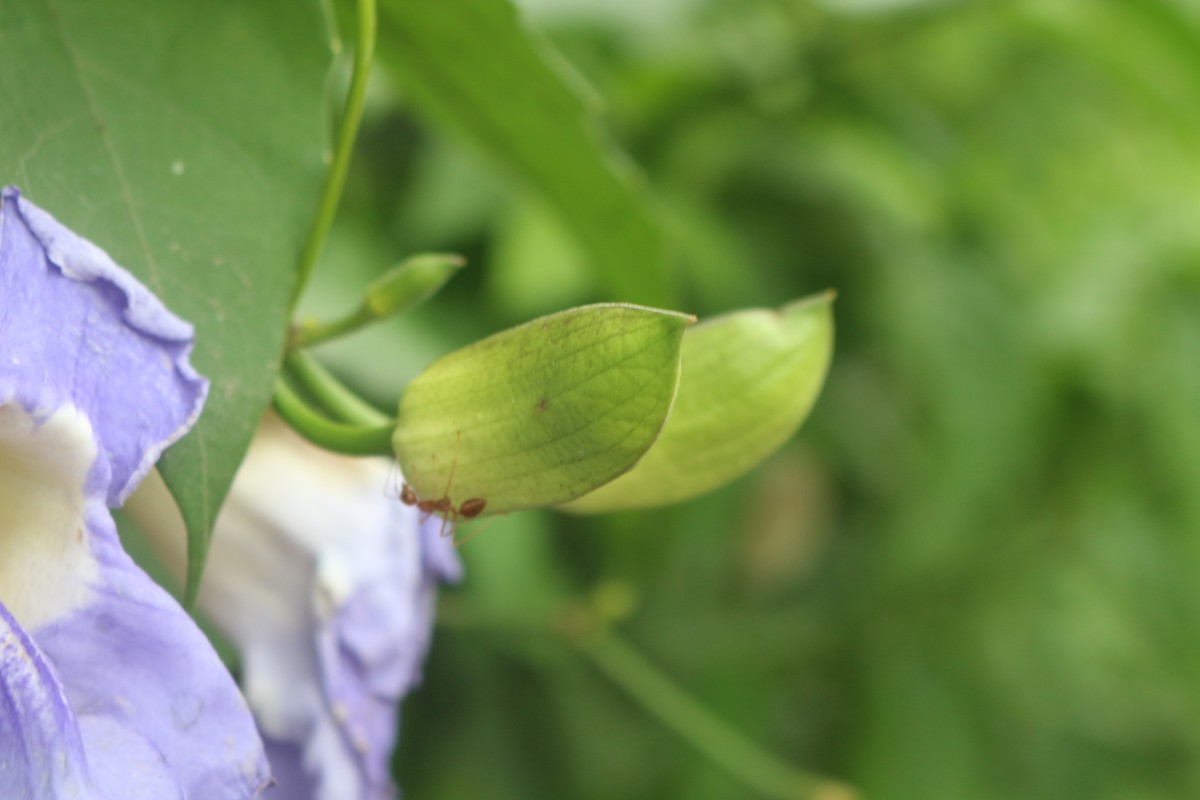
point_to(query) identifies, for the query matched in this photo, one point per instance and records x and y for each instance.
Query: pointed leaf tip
(749, 380)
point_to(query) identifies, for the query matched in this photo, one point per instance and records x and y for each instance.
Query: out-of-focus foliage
(975, 572)
(472, 65)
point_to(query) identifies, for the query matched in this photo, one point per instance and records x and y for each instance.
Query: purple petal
(341, 572)
(134, 657)
(373, 645)
(41, 749)
(43, 744)
(292, 780)
(79, 330)
(124, 765)
(94, 384)
(440, 558)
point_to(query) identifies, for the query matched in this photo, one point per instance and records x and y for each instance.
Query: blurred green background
(974, 572)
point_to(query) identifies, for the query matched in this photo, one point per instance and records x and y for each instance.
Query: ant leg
(447, 513)
(475, 531)
(453, 467)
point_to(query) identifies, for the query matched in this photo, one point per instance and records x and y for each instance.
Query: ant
(469, 509)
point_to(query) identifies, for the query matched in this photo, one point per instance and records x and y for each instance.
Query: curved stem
(658, 695)
(348, 439)
(335, 178)
(688, 718)
(311, 333)
(408, 284)
(332, 393)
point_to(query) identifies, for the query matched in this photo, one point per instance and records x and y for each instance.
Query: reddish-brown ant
(470, 508)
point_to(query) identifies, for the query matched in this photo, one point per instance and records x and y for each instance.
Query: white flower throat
(46, 566)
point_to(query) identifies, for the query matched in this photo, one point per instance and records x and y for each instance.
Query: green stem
(332, 393)
(335, 178)
(661, 697)
(313, 332)
(408, 284)
(348, 439)
(694, 723)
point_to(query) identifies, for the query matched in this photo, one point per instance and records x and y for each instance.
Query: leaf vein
(102, 130)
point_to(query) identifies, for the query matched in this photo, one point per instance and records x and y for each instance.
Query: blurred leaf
(541, 413)
(749, 380)
(185, 139)
(536, 266)
(472, 64)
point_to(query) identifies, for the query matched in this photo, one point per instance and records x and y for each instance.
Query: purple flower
(107, 688)
(342, 579)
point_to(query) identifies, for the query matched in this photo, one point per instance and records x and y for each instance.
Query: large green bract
(749, 380)
(543, 412)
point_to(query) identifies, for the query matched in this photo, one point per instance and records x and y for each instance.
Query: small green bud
(410, 283)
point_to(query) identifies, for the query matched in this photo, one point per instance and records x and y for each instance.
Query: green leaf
(186, 140)
(749, 380)
(474, 66)
(541, 413)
